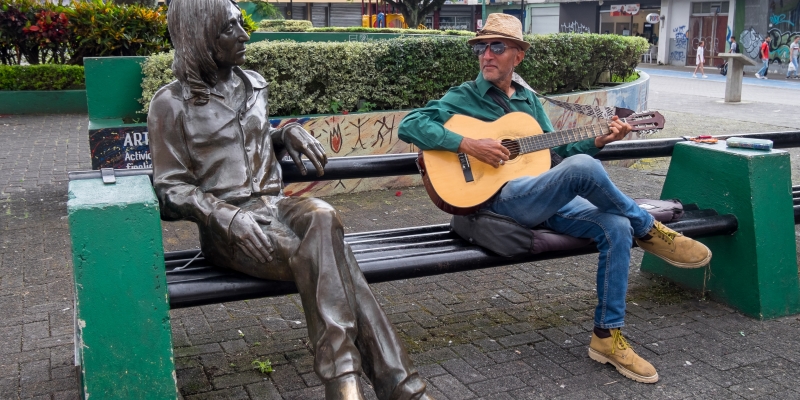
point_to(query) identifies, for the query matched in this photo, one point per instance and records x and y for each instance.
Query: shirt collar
(484, 86)
(252, 82)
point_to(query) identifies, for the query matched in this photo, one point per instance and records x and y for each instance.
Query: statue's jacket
(208, 159)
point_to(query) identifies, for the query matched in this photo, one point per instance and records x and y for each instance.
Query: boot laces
(664, 233)
(618, 341)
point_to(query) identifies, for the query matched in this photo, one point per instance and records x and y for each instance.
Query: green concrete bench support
(754, 270)
(123, 337)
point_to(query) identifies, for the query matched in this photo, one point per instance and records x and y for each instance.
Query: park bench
(732, 211)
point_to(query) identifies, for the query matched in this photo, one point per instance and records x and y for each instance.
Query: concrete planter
(43, 102)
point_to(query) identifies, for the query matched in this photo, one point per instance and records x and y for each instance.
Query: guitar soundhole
(512, 146)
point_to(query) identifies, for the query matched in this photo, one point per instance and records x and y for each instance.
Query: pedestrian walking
(794, 53)
(700, 60)
(734, 45)
(762, 73)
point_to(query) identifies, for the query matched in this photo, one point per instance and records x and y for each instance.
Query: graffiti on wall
(778, 47)
(680, 37)
(574, 27)
(750, 42)
(677, 56)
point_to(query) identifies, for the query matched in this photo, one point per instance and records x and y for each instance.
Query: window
(711, 8)
(461, 23)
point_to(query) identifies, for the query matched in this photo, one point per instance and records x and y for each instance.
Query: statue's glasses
(496, 47)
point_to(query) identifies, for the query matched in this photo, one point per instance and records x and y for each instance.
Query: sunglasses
(496, 47)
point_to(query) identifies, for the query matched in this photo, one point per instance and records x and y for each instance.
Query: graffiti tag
(574, 27)
(680, 37)
(677, 56)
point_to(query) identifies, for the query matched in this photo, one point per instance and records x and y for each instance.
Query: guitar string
(551, 139)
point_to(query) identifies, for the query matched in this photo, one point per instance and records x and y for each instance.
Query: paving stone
(452, 387)
(497, 385)
(462, 371)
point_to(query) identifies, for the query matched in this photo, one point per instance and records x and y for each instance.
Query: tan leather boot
(618, 352)
(674, 248)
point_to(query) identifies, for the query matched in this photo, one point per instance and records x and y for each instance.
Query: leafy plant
(265, 9)
(335, 106)
(41, 77)
(15, 43)
(265, 367)
(106, 29)
(250, 26)
(50, 33)
(366, 107)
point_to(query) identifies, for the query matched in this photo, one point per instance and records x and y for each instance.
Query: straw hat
(501, 26)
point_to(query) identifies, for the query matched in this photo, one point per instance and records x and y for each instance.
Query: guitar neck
(530, 144)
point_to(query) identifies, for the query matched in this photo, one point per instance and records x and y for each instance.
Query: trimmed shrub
(284, 25)
(308, 78)
(41, 77)
(107, 29)
(392, 30)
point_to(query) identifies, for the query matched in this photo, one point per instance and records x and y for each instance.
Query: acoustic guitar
(459, 184)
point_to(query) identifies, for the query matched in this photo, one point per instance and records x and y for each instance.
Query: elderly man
(575, 198)
(215, 160)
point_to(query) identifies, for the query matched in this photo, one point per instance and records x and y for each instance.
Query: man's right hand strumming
(489, 151)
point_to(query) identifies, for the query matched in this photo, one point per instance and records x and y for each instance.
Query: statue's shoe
(345, 387)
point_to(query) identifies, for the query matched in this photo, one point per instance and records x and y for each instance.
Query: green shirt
(424, 127)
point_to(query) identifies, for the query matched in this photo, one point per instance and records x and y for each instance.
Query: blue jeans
(577, 198)
(764, 69)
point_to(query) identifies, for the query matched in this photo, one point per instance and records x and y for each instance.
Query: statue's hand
(247, 235)
(299, 142)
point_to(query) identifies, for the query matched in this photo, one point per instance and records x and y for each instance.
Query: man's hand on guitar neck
(489, 151)
(618, 131)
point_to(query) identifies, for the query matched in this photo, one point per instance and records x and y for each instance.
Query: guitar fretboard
(530, 144)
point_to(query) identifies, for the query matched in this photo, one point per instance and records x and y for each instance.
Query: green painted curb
(43, 102)
(114, 87)
(123, 335)
(755, 269)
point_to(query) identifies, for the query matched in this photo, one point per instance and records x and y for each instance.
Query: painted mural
(354, 135)
(783, 27)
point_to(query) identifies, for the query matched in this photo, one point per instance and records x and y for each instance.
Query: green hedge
(284, 25)
(360, 29)
(41, 77)
(317, 77)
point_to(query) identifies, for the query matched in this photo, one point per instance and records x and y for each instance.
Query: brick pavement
(516, 332)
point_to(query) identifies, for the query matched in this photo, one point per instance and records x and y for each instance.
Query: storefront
(453, 15)
(629, 19)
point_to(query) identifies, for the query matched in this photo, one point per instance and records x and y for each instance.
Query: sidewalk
(516, 332)
(777, 81)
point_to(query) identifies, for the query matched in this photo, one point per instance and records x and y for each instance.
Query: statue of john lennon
(215, 163)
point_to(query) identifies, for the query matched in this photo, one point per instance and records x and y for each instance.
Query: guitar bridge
(466, 168)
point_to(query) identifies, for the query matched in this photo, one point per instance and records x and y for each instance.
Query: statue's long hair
(195, 26)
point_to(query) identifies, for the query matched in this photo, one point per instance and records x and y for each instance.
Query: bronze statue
(215, 161)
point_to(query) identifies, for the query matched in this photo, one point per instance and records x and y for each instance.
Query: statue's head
(208, 36)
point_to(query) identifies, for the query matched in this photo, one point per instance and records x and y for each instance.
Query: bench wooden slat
(200, 283)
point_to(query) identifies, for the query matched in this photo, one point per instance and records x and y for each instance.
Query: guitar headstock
(646, 122)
